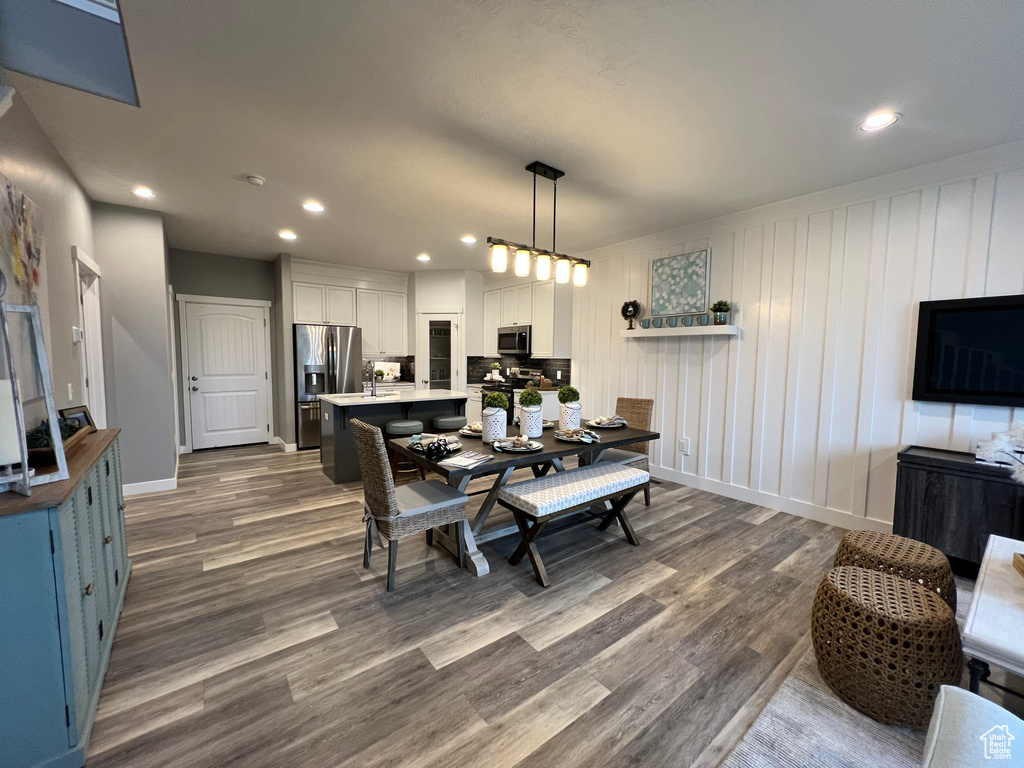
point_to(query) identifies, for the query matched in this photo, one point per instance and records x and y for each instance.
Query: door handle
(107, 539)
(195, 389)
(88, 590)
(195, 378)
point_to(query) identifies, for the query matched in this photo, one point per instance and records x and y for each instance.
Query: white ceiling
(411, 120)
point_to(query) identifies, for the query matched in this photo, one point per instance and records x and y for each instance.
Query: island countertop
(395, 396)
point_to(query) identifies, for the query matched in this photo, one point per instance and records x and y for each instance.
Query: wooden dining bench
(604, 489)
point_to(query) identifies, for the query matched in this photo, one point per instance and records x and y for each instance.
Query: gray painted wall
(131, 251)
(227, 277)
(29, 160)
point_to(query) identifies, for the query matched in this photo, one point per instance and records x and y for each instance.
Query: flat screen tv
(971, 351)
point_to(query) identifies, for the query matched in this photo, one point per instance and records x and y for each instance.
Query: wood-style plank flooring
(252, 636)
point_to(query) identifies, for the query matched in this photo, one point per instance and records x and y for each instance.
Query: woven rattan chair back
(378, 485)
(637, 412)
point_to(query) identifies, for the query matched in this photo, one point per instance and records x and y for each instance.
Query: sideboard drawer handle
(88, 590)
(107, 539)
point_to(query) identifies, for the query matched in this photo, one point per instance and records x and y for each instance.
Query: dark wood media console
(946, 499)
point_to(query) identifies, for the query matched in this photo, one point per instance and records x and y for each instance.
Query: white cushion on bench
(561, 490)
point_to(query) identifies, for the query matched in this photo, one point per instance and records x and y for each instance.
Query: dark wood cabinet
(946, 499)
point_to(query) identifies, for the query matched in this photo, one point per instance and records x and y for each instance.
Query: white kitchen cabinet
(524, 304)
(309, 303)
(509, 306)
(474, 404)
(544, 319)
(394, 324)
(341, 305)
(368, 315)
(492, 321)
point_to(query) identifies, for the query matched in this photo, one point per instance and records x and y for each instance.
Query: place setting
(608, 422)
(517, 445)
(578, 435)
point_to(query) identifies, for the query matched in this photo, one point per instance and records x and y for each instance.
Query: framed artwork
(78, 414)
(679, 284)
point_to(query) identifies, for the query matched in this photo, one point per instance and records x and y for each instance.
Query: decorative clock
(631, 311)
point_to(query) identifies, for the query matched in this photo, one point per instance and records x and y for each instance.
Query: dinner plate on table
(416, 445)
(560, 435)
(467, 432)
(549, 424)
(534, 446)
(606, 426)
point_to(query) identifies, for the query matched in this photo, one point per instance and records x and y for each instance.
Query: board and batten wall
(807, 408)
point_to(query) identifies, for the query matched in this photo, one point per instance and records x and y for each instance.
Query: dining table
(501, 465)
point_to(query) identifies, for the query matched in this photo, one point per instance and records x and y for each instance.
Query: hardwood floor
(252, 636)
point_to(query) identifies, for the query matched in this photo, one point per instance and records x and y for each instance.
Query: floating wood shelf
(694, 330)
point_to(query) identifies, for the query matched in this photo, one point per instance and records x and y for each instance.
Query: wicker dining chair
(397, 513)
(637, 412)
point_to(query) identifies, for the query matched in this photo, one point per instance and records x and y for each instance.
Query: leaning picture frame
(78, 414)
(679, 284)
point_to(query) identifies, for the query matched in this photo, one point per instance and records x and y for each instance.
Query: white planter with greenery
(531, 413)
(495, 417)
(568, 408)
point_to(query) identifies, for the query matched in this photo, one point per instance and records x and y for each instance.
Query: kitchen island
(337, 446)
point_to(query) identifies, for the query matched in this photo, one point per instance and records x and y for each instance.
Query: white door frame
(90, 343)
(459, 355)
(186, 298)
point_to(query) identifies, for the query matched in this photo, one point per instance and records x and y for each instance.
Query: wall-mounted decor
(679, 284)
(630, 310)
(21, 246)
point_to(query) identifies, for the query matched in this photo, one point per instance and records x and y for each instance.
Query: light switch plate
(684, 446)
(71, 391)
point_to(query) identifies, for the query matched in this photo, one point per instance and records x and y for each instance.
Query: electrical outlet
(71, 392)
(558, 375)
(684, 446)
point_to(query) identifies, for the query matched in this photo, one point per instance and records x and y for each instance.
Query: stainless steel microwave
(514, 340)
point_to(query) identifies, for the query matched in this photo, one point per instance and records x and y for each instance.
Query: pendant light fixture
(543, 266)
(562, 268)
(499, 257)
(522, 263)
(566, 267)
(579, 275)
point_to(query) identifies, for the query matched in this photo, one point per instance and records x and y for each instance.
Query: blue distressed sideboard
(64, 568)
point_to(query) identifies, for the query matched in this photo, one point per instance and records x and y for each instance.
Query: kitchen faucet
(373, 378)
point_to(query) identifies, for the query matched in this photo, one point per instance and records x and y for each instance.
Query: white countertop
(397, 396)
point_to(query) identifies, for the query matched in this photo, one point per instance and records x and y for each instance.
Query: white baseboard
(151, 486)
(184, 449)
(287, 447)
(772, 501)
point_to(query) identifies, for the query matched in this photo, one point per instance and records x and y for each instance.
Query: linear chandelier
(550, 262)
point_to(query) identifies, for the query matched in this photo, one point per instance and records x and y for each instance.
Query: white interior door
(440, 352)
(227, 374)
(92, 346)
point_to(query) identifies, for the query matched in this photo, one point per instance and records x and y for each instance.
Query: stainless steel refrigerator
(328, 361)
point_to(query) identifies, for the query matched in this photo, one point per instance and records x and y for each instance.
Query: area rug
(805, 724)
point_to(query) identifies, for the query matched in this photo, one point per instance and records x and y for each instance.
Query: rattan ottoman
(906, 558)
(884, 644)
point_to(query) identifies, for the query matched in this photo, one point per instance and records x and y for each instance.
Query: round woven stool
(884, 644)
(906, 558)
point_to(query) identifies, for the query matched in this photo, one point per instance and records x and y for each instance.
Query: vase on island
(495, 421)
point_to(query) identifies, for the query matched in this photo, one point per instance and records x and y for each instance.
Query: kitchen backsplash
(478, 367)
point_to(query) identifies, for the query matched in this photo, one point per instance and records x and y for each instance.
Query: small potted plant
(568, 408)
(721, 310)
(378, 374)
(494, 417)
(495, 374)
(531, 418)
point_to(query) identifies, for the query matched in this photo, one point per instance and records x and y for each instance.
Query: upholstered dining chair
(397, 513)
(637, 412)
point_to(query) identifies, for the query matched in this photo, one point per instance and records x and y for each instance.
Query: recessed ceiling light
(287, 234)
(146, 192)
(313, 206)
(424, 257)
(468, 239)
(879, 120)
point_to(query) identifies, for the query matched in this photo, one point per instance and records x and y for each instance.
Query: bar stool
(448, 423)
(403, 428)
